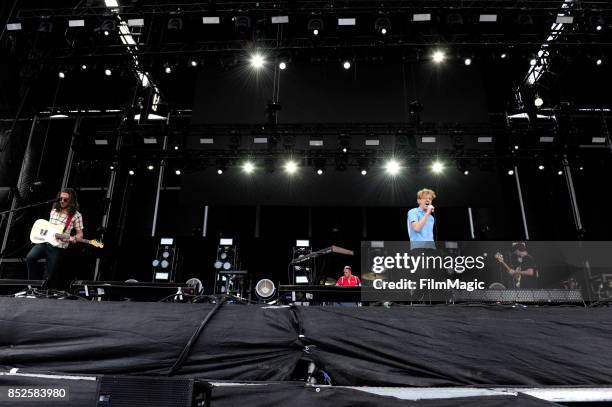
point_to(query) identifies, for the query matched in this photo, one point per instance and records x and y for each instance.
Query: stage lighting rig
(382, 26)
(315, 26)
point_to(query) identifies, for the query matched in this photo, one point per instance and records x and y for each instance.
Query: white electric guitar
(45, 232)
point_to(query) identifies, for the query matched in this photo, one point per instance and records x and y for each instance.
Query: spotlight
(599, 28)
(504, 56)
(83, 67)
(150, 167)
(315, 25)
(320, 171)
(437, 167)
(516, 147)
(219, 171)
(106, 33)
(193, 63)
(438, 57)
(346, 65)
(108, 72)
(176, 148)
(282, 66)
(599, 61)
(257, 61)
(177, 172)
(538, 102)
(392, 167)
(467, 61)
(61, 74)
(131, 172)
(248, 167)
(533, 62)
(344, 150)
(112, 168)
(382, 25)
(167, 69)
(510, 172)
(560, 172)
(291, 167)
(540, 167)
(364, 172)
(466, 172)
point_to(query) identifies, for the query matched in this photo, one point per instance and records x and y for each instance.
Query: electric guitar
(510, 270)
(45, 232)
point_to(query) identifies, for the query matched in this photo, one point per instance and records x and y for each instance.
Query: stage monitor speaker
(125, 391)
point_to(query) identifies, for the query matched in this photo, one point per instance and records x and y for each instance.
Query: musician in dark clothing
(524, 267)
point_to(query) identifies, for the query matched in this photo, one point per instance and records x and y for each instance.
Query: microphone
(432, 207)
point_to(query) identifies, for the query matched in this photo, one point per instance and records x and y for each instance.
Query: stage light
(177, 172)
(346, 65)
(516, 147)
(219, 171)
(344, 150)
(265, 289)
(538, 102)
(581, 168)
(504, 55)
(111, 3)
(541, 167)
(533, 62)
(282, 66)
(61, 74)
(392, 167)
(560, 172)
(175, 24)
(193, 63)
(150, 167)
(84, 67)
(599, 61)
(248, 167)
(466, 172)
(382, 25)
(14, 27)
(167, 69)
(315, 25)
(320, 171)
(106, 33)
(108, 72)
(599, 28)
(176, 148)
(364, 172)
(467, 61)
(438, 57)
(131, 172)
(437, 167)
(291, 167)
(510, 172)
(112, 168)
(257, 61)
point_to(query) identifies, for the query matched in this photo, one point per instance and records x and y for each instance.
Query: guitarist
(525, 266)
(65, 211)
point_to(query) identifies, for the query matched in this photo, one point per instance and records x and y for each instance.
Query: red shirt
(351, 281)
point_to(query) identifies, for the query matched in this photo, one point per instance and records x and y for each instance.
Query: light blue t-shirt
(427, 231)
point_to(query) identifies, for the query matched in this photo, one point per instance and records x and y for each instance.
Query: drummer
(348, 279)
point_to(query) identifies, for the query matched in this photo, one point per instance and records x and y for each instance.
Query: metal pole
(109, 200)
(205, 222)
(70, 157)
(520, 195)
(19, 182)
(572, 193)
(471, 223)
(160, 179)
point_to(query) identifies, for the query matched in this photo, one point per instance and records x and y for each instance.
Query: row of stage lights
(258, 61)
(392, 168)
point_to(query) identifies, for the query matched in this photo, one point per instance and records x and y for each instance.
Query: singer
(421, 221)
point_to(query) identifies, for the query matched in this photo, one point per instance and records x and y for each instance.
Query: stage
(415, 348)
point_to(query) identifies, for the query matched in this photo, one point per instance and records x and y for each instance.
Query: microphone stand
(5, 213)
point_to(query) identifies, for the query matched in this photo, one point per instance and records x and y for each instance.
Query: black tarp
(397, 346)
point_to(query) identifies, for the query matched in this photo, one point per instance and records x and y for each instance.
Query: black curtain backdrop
(375, 346)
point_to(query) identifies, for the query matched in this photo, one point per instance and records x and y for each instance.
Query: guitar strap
(68, 221)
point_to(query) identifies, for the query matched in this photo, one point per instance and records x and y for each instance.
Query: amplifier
(133, 291)
(9, 287)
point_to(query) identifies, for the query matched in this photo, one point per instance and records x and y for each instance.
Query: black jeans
(54, 257)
